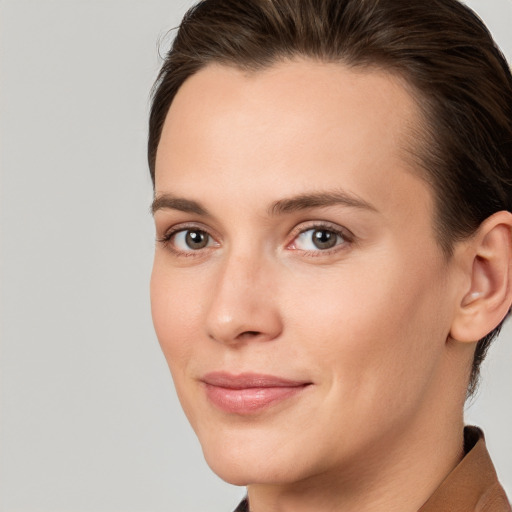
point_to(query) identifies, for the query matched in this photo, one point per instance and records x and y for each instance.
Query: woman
(332, 198)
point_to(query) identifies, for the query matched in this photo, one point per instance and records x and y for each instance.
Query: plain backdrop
(89, 420)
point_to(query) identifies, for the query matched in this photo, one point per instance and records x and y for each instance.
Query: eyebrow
(280, 207)
(167, 201)
(322, 199)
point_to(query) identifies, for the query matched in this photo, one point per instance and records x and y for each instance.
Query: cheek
(370, 330)
(174, 309)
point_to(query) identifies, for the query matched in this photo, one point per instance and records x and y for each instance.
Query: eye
(188, 240)
(318, 239)
(191, 239)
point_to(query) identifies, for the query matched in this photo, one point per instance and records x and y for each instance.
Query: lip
(249, 393)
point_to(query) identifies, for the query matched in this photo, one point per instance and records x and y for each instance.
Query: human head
(444, 52)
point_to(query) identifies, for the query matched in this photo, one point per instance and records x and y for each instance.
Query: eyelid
(345, 233)
(167, 236)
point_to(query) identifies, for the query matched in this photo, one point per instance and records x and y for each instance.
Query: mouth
(249, 393)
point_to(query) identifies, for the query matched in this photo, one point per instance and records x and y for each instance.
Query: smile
(249, 393)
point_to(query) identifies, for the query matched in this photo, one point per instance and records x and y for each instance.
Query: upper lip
(249, 380)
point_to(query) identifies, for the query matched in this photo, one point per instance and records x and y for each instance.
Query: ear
(487, 300)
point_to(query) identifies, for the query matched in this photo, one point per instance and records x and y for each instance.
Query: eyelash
(166, 239)
(347, 237)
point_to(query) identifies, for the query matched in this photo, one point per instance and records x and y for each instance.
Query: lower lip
(249, 400)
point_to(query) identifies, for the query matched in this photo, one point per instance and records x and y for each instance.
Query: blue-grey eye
(191, 239)
(318, 239)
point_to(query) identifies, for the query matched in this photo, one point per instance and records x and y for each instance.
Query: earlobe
(487, 301)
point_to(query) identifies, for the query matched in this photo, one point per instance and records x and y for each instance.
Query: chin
(244, 462)
(244, 472)
(241, 460)
(233, 472)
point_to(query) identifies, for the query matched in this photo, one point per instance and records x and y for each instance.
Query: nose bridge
(243, 304)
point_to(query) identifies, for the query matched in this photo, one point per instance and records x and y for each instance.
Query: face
(298, 293)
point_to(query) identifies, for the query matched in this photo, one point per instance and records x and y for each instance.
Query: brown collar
(473, 485)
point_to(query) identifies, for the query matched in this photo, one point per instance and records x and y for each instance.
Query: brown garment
(471, 487)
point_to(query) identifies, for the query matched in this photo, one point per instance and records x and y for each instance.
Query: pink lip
(249, 392)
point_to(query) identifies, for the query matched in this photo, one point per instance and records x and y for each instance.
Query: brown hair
(441, 48)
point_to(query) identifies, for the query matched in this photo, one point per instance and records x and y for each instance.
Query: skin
(368, 323)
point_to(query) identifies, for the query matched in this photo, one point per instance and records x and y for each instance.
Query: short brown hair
(462, 82)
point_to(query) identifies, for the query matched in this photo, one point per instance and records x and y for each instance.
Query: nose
(244, 305)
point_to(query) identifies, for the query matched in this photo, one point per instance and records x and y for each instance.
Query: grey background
(89, 421)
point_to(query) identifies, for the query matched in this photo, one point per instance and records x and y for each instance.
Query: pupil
(196, 239)
(324, 239)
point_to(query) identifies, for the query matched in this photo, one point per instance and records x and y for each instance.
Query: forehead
(289, 128)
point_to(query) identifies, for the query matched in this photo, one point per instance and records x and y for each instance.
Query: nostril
(248, 334)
